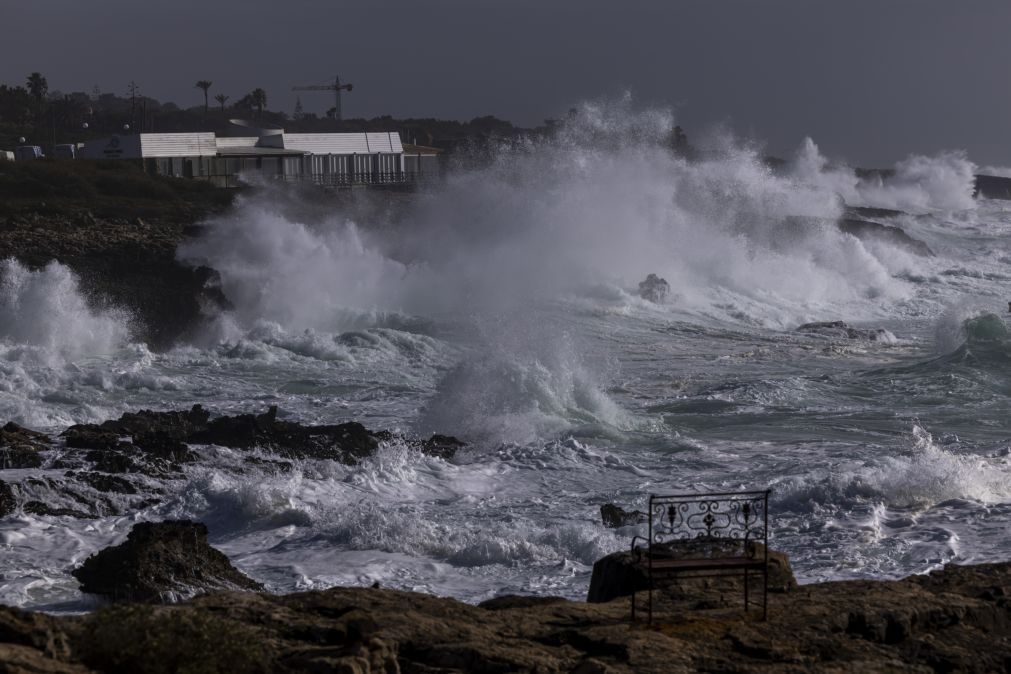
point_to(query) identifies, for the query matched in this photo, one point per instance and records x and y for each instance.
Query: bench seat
(701, 564)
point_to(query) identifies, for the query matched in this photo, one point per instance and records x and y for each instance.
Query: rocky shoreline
(116, 456)
(955, 619)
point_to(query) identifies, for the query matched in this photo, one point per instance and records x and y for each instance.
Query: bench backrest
(709, 525)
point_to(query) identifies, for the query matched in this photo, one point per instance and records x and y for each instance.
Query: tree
(258, 97)
(37, 87)
(221, 99)
(205, 85)
(298, 109)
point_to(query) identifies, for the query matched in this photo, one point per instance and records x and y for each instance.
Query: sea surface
(502, 308)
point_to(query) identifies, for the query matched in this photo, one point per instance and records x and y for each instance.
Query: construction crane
(336, 87)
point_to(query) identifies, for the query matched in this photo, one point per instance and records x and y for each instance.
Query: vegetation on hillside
(45, 117)
(104, 187)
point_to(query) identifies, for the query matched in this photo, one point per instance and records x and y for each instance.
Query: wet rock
(164, 445)
(40, 508)
(21, 447)
(7, 501)
(122, 264)
(442, 446)
(178, 425)
(348, 443)
(104, 482)
(654, 289)
(862, 212)
(89, 436)
(840, 330)
(161, 561)
(112, 462)
(614, 516)
(992, 187)
(865, 230)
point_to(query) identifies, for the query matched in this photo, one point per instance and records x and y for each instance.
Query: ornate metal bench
(702, 535)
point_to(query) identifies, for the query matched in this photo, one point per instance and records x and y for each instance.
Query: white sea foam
(46, 309)
(918, 183)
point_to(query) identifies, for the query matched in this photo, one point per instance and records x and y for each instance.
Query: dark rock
(178, 425)
(164, 445)
(158, 561)
(120, 264)
(104, 482)
(840, 330)
(112, 462)
(619, 575)
(993, 187)
(21, 447)
(616, 575)
(863, 229)
(442, 446)
(654, 289)
(8, 503)
(348, 443)
(614, 516)
(89, 436)
(862, 212)
(40, 508)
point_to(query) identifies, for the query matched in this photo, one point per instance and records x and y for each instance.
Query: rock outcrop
(619, 575)
(109, 458)
(20, 447)
(866, 230)
(955, 620)
(615, 516)
(161, 561)
(993, 187)
(654, 289)
(158, 441)
(124, 263)
(840, 330)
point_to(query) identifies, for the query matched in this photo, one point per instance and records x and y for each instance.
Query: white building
(337, 159)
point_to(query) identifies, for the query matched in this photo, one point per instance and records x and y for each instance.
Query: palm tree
(205, 85)
(221, 98)
(37, 87)
(258, 97)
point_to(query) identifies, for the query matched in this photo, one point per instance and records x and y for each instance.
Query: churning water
(503, 310)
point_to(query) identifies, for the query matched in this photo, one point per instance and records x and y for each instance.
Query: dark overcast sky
(870, 80)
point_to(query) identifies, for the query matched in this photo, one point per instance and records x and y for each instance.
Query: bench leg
(745, 590)
(765, 592)
(649, 610)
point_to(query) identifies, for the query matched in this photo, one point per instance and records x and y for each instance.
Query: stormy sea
(502, 306)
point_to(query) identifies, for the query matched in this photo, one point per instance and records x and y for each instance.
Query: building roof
(343, 143)
(205, 144)
(199, 144)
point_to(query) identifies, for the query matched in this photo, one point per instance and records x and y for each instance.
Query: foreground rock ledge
(958, 619)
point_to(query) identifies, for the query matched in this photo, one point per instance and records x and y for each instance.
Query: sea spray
(915, 184)
(46, 309)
